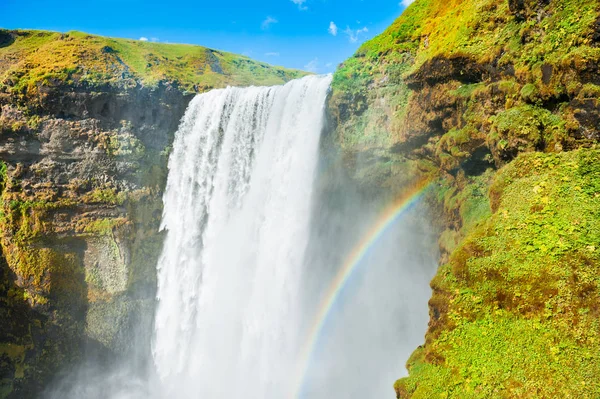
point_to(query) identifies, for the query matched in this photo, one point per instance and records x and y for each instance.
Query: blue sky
(312, 35)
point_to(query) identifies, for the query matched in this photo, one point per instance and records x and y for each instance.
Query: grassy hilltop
(30, 59)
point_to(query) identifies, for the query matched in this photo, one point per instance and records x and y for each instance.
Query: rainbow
(387, 219)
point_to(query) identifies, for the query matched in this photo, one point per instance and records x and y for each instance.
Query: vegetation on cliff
(31, 60)
(450, 78)
(497, 100)
(515, 311)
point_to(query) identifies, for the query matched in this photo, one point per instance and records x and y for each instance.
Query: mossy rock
(468, 84)
(515, 311)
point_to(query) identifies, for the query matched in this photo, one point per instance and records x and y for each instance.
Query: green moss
(467, 198)
(127, 146)
(104, 195)
(517, 302)
(6, 387)
(101, 227)
(474, 202)
(505, 356)
(449, 240)
(525, 128)
(456, 146)
(16, 354)
(530, 93)
(42, 267)
(482, 29)
(466, 90)
(589, 90)
(527, 60)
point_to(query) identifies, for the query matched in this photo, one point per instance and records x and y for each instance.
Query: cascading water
(260, 221)
(237, 213)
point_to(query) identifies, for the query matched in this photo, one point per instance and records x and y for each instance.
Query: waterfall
(260, 220)
(257, 228)
(237, 211)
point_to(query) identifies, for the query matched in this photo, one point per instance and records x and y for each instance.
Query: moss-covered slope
(497, 101)
(516, 311)
(31, 59)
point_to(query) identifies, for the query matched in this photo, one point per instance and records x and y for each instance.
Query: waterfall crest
(236, 212)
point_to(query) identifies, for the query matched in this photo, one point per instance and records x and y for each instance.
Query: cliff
(86, 125)
(496, 102)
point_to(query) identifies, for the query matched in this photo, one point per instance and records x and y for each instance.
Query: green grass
(518, 300)
(42, 58)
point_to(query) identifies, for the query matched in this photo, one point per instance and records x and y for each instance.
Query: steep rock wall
(81, 207)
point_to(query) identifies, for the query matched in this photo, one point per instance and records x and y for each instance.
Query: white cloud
(333, 29)
(406, 3)
(268, 22)
(300, 4)
(143, 39)
(272, 54)
(312, 66)
(353, 35)
(154, 39)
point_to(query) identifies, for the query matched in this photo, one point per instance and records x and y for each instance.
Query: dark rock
(112, 139)
(441, 70)
(215, 64)
(6, 38)
(517, 7)
(547, 72)
(596, 32)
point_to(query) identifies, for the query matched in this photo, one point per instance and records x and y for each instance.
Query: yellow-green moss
(104, 195)
(525, 128)
(515, 312)
(512, 71)
(41, 58)
(100, 227)
(483, 29)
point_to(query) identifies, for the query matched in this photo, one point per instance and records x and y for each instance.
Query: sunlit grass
(41, 58)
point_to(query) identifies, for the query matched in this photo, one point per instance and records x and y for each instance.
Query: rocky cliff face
(81, 207)
(83, 165)
(496, 101)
